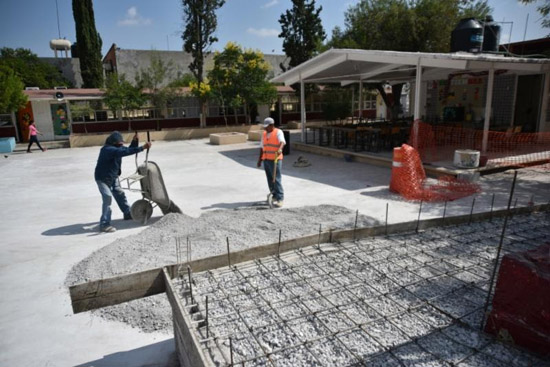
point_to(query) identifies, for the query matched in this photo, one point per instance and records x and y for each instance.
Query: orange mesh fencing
(408, 178)
(510, 148)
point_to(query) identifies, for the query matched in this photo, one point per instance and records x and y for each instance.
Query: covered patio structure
(422, 70)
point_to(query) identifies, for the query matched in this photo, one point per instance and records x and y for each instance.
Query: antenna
(57, 12)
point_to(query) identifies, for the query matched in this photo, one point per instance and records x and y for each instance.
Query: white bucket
(466, 158)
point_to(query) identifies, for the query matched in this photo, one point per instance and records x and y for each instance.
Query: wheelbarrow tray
(152, 184)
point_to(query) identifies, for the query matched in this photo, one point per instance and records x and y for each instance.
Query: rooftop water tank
(467, 36)
(60, 45)
(491, 35)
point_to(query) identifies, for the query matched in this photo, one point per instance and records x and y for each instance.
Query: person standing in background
(33, 131)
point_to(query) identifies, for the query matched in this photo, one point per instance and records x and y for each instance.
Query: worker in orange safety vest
(271, 154)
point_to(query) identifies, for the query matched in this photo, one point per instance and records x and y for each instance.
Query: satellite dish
(59, 96)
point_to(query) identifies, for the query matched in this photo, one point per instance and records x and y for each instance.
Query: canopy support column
(543, 123)
(302, 110)
(488, 106)
(417, 91)
(360, 99)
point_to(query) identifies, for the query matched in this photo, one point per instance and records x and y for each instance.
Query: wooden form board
(124, 288)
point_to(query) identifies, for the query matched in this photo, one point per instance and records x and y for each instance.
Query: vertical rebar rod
(319, 240)
(444, 211)
(491, 282)
(188, 250)
(355, 225)
(492, 206)
(418, 220)
(228, 253)
(472, 211)
(515, 203)
(206, 318)
(386, 228)
(190, 283)
(279, 245)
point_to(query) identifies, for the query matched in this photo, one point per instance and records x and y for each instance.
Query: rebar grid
(401, 300)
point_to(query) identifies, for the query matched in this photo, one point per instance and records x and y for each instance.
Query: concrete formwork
(400, 300)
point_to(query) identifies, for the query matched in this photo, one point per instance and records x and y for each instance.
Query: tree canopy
(239, 77)
(402, 25)
(543, 9)
(89, 44)
(301, 31)
(11, 90)
(31, 70)
(155, 79)
(120, 94)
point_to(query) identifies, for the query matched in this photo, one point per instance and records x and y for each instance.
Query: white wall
(43, 119)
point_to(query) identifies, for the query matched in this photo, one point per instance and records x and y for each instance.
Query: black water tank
(467, 36)
(491, 35)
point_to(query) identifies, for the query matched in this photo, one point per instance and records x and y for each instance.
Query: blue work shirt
(109, 161)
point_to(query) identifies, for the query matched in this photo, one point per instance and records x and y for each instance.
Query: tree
(31, 70)
(239, 77)
(120, 94)
(543, 9)
(198, 35)
(11, 91)
(301, 31)
(401, 25)
(155, 79)
(89, 44)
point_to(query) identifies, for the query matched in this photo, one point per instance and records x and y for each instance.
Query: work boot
(108, 229)
(278, 203)
(127, 216)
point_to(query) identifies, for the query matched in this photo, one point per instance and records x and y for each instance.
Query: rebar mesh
(402, 300)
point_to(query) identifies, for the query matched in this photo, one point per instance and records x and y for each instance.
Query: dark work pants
(34, 139)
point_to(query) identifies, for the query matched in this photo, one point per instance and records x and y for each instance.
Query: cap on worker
(268, 121)
(115, 138)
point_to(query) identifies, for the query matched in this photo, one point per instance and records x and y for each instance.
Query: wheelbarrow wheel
(141, 211)
(171, 208)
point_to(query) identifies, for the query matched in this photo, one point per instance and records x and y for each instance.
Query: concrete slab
(51, 207)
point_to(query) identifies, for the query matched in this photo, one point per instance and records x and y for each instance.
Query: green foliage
(11, 91)
(543, 9)
(200, 25)
(301, 31)
(120, 94)
(240, 77)
(155, 80)
(31, 70)
(184, 80)
(401, 25)
(89, 44)
(336, 104)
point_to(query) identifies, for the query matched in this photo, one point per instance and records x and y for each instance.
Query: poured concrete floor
(50, 208)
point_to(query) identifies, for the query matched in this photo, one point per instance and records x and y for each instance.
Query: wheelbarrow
(152, 189)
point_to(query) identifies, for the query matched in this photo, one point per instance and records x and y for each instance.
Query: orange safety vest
(271, 146)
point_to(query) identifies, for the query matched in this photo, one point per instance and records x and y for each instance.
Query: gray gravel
(155, 247)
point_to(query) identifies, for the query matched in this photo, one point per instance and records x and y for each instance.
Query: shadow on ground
(92, 228)
(162, 354)
(325, 170)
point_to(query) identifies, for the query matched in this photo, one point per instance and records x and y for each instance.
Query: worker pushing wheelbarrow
(152, 189)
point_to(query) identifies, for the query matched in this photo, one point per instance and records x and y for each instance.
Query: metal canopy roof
(348, 66)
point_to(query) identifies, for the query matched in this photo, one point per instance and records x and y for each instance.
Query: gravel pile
(155, 247)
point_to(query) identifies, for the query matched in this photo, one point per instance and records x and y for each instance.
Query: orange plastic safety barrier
(509, 148)
(408, 178)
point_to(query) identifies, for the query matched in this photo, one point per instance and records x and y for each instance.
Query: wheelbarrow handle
(147, 153)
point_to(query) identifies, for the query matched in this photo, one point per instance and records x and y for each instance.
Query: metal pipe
(190, 283)
(387, 207)
(498, 251)
(492, 205)
(418, 220)
(355, 226)
(472, 211)
(228, 253)
(206, 319)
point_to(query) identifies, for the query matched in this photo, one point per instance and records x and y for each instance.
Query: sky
(157, 24)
